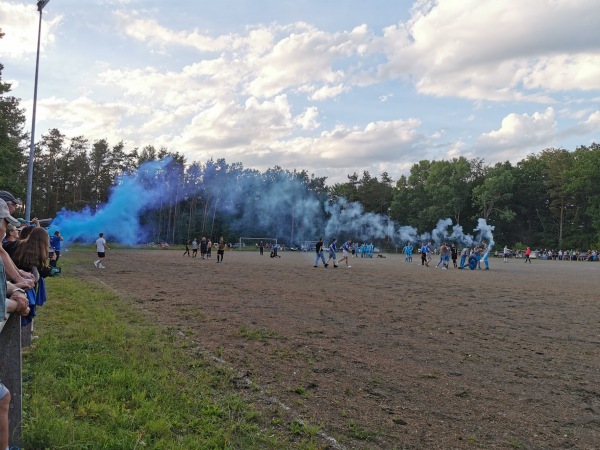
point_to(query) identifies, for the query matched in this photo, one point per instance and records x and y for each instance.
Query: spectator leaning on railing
(20, 277)
(15, 303)
(12, 297)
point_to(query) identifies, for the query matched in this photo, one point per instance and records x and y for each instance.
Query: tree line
(548, 200)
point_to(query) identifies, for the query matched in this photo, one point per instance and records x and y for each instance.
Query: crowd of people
(27, 256)
(206, 247)
(470, 257)
(569, 255)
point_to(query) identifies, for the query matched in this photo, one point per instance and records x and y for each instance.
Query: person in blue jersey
(55, 244)
(426, 254)
(474, 261)
(463, 257)
(320, 254)
(485, 249)
(408, 249)
(333, 253)
(346, 252)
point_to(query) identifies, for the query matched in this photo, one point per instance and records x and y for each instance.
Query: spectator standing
(320, 254)
(8, 204)
(203, 247)
(12, 234)
(454, 254)
(220, 250)
(101, 248)
(528, 255)
(187, 248)
(208, 248)
(55, 244)
(261, 246)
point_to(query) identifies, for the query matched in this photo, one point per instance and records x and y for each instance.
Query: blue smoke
(274, 204)
(119, 218)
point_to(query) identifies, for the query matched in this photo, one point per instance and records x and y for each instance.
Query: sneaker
(96, 264)
(326, 266)
(315, 266)
(334, 266)
(348, 266)
(100, 266)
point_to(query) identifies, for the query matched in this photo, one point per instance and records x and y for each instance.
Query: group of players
(346, 253)
(469, 257)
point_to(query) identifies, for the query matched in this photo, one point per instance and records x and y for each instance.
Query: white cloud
(20, 25)
(519, 135)
(590, 125)
(308, 120)
(149, 30)
(84, 116)
(497, 50)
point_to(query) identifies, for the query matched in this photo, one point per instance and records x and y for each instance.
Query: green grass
(100, 377)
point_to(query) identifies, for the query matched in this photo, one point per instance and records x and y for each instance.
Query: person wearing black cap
(11, 201)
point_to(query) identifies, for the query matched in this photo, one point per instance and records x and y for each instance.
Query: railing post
(11, 375)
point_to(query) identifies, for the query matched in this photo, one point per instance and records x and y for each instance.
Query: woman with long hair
(33, 252)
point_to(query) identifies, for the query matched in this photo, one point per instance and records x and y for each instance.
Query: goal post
(252, 242)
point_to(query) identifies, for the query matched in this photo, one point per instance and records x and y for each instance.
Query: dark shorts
(101, 254)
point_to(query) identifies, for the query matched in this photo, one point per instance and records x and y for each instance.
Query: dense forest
(548, 200)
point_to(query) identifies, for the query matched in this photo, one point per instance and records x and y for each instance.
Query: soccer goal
(252, 242)
(309, 246)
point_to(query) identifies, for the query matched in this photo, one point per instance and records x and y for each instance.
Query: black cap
(8, 197)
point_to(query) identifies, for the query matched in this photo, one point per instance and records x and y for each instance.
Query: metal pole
(40, 6)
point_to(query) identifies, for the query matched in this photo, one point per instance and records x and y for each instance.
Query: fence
(11, 374)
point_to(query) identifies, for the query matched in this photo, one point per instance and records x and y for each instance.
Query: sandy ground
(389, 354)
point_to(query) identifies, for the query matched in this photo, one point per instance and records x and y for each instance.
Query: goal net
(253, 243)
(309, 246)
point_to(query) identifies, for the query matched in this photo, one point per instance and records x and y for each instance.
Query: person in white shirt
(101, 248)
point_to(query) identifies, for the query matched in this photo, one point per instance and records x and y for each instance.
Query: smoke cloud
(272, 204)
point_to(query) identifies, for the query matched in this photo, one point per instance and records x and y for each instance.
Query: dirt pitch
(388, 354)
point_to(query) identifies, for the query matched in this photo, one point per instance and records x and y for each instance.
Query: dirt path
(389, 354)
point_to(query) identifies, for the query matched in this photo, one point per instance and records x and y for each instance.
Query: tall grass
(101, 377)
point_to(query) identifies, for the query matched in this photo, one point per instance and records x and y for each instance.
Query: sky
(330, 87)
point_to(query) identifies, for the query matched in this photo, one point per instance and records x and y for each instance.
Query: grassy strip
(99, 377)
